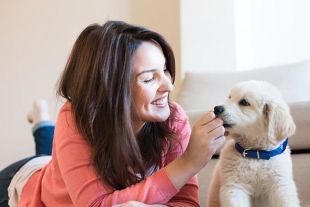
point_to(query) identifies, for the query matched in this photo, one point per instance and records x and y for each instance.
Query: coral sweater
(70, 180)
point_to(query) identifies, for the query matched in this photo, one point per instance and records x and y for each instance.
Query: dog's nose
(218, 110)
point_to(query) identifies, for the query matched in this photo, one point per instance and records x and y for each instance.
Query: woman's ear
(279, 122)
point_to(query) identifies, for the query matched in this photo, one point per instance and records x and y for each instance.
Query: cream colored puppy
(255, 167)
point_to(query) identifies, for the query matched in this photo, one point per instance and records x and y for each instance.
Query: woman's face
(151, 85)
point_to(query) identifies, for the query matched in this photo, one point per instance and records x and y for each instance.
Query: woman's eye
(149, 80)
(244, 102)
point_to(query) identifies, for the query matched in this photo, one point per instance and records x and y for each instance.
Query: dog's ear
(279, 121)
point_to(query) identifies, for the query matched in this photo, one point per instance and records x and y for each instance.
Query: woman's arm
(199, 146)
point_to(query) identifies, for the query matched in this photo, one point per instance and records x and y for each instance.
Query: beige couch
(201, 92)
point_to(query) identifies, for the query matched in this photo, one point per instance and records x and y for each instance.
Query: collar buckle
(244, 153)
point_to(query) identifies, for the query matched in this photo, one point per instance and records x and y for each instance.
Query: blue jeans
(43, 133)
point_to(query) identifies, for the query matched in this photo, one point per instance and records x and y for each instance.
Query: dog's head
(256, 115)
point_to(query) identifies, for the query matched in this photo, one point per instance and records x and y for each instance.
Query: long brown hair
(97, 82)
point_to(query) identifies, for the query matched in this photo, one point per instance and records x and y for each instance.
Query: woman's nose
(166, 84)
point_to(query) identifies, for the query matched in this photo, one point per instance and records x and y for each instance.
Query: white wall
(207, 36)
(270, 33)
(225, 35)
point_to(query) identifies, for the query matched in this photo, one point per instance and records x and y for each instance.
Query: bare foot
(39, 112)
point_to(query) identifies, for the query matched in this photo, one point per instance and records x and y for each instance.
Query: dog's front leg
(284, 195)
(213, 199)
(232, 196)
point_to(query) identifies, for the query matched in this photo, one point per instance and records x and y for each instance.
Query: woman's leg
(43, 132)
(6, 175)
(43, 129)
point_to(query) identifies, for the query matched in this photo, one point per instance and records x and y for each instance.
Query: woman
(118, 138)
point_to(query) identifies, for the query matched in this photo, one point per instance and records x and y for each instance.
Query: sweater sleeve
(84, 187)
(188, 194)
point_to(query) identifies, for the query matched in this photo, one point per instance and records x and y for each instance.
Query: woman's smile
(161, 102)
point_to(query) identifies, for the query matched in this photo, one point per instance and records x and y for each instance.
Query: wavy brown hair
(97, 82)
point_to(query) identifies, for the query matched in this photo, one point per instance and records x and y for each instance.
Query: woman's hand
(137, 204)
(207, 135)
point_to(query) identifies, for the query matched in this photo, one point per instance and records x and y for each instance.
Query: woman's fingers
(210, 119)
(217, 131)
(206, 118)
(208, 126)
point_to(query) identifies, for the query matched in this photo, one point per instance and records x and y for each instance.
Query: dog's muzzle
(218, 111)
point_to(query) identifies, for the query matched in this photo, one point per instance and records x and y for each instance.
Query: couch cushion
(203, 91)
(300, 112)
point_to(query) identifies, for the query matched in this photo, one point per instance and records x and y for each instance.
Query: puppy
(255, 167)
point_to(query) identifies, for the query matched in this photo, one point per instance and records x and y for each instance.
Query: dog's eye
(244, 102)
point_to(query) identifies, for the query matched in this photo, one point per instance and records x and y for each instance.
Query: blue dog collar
(261, 154)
